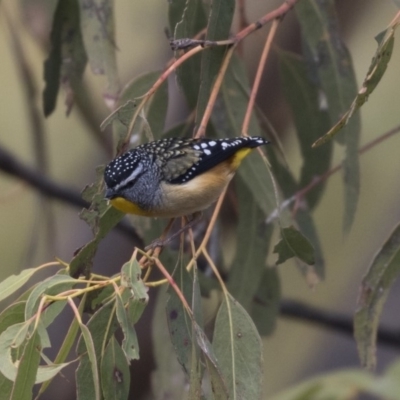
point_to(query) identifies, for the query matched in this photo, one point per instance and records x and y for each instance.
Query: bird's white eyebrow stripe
(131, 177)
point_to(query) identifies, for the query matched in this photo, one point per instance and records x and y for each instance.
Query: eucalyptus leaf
(131, 278)
(253, 237)
(115, 376)
(67, 59)
(375, 287)
(27, 369)
(130, 344)
(51, 286)
(130, 97)
(91, 354)
(168, 379)
(187, 19)
(13, 314)
(179, 322)
(196, 371)
(14, 282)
(97, 26)
(238, 348)
(294, 244)
(265, 308)
(13, 337)
(218, 28)
(102, 326)
(310, 119)
(332, 62)
(375, 73)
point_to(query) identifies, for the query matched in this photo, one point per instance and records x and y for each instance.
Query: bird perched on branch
(175, 177)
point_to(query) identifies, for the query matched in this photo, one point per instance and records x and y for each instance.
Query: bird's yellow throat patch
(128, 207)
(237, 158)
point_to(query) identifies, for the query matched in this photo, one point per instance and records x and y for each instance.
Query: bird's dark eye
(130, 183)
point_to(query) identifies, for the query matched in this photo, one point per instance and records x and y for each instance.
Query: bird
(175, 177)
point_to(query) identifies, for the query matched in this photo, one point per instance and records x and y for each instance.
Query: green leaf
(264, 310)
(294, 244)
(91, 354)
(337, 385)
(65, 348)
(303, 219)
(218, 383)
(168, 379)
(130, 97)
(67, 59)
(238, 348)
(6, 387)
(14, 282)
(375, 73)
(14, 314)
(115, 376)
(175, 12)
(12, 338)
(179, 322)
(187, 19)
(97, 25)
(219, 388)
(218, 28)
(101, 218)
(51, 286)
(331, 59)
(102, 326)
(252, 248)
(196, 370)
(131, 277)
(310, 121)
(375, 288)
(130, 344)
(27, 369)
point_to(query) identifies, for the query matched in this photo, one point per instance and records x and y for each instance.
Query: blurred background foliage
(296, 350)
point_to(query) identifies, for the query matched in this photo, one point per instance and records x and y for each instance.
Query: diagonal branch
(11, 166)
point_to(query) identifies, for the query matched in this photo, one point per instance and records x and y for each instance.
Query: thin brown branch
(258, 76)
(299, 195)
(242, 14)
(152, 90)
(200, 45)
(368, 146)
(275, 14)
(214, 93)
(172, 283)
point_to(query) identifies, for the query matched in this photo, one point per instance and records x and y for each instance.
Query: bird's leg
(162, 241)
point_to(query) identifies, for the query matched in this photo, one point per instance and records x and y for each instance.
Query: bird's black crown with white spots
(175, 160)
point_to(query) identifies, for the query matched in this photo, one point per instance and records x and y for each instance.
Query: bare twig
(257, 79)
(319, 179)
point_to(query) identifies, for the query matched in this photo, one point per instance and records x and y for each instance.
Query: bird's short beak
(109, 194)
